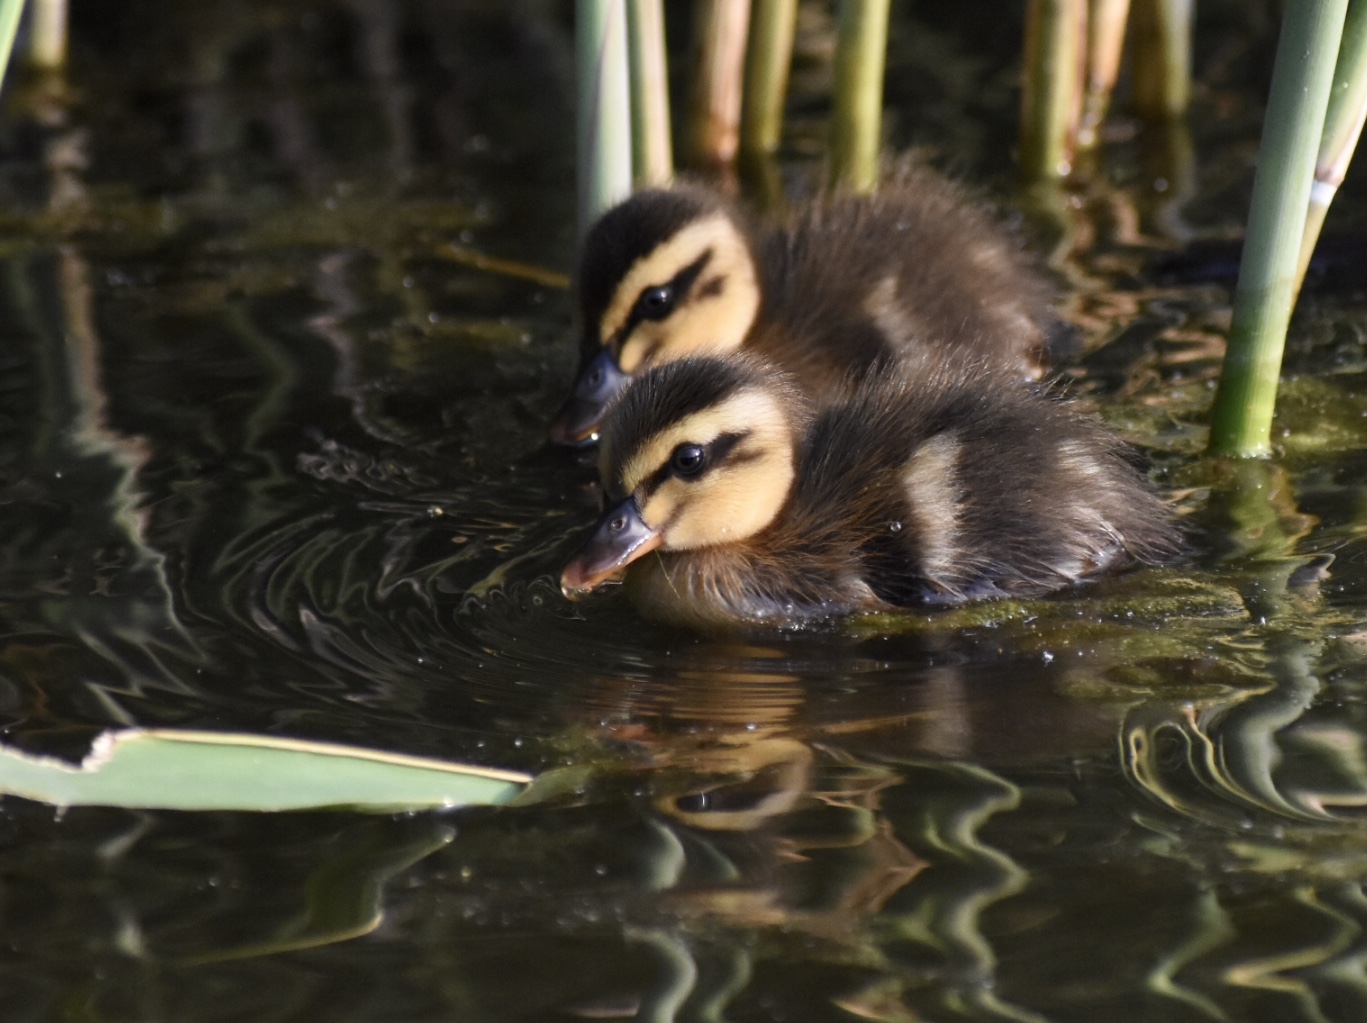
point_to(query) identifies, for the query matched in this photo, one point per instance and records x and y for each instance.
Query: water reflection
(79, 523)
(303, 490)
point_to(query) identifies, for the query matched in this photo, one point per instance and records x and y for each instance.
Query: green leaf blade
(172, 770)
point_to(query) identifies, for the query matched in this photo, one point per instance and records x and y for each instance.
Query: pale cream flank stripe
(1076, 457)
(895, 321)
(932, 486)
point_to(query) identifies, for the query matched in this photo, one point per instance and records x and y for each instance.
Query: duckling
(763, 508)
(912, 276)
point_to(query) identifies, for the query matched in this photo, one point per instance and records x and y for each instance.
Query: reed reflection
(1261, 788)
(79, 525)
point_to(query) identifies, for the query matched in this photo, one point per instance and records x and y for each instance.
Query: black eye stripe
(681, 283)
(717, 451)
(724, 444)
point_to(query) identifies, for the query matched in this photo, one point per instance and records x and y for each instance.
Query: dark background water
(271, 460)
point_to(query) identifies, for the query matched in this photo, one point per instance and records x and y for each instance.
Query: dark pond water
(272, 460)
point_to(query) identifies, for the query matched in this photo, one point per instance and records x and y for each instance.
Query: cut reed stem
(714, 114)
(1051, 102)
(1106, 21)
(652, 151)
(857, 121)
(603, 113)
(1241, 421)
(1342, 128)
(766, 74)
(47, 34)
(1162, 58)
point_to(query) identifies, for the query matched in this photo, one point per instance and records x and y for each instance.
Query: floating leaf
(173, 770)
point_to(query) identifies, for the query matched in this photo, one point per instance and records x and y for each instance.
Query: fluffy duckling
(913, 276)
(763, 508)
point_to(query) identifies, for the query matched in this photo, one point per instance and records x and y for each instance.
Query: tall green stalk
(1241, 421)
(766, 74)
(1106, 21)
(857, 124)
(47, 33)
(1162, 57)
(603, 112)
(1051, 102)
(652, 151)
(1342, 128)
(10, 10)
(721, 27)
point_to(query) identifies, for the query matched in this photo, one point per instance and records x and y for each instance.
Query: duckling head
(666, 274)
(698, 453)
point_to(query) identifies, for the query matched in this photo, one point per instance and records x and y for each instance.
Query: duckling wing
(952, 489)
(1020, 495)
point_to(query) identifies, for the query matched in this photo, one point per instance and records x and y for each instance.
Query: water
(271, 461)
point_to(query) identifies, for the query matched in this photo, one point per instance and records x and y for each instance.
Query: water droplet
(895, 527)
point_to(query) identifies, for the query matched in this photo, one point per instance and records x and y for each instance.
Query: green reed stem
(766, 74)
(652, 151)
(603, 121)
(47, 34)
(857, 122)
(1241, 421)
(1342, 128)
(1106, 21)
(714, 114)
(1162, 58)
(1052, 99)
(10, 10)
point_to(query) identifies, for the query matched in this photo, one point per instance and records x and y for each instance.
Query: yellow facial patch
(729, 501)
(713, 317)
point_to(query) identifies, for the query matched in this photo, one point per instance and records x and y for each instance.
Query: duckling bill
(848, 286)
(735, 499)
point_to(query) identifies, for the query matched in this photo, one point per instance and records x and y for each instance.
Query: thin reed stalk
(1342, 128)
(603, 113)
(721, 28)
(857, 121)
(1051, 103)
(1162, 58)
(47, 34)
(1106, 21)
(766, 74)
(1241, 421)
(10, 10)
(652, 150)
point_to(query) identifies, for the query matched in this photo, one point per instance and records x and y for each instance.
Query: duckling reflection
(765, 510)
(914, 276)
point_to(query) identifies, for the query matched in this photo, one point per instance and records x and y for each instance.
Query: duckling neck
(741, 584)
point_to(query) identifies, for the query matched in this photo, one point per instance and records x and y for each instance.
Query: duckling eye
(688, 460)
(656, 303)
